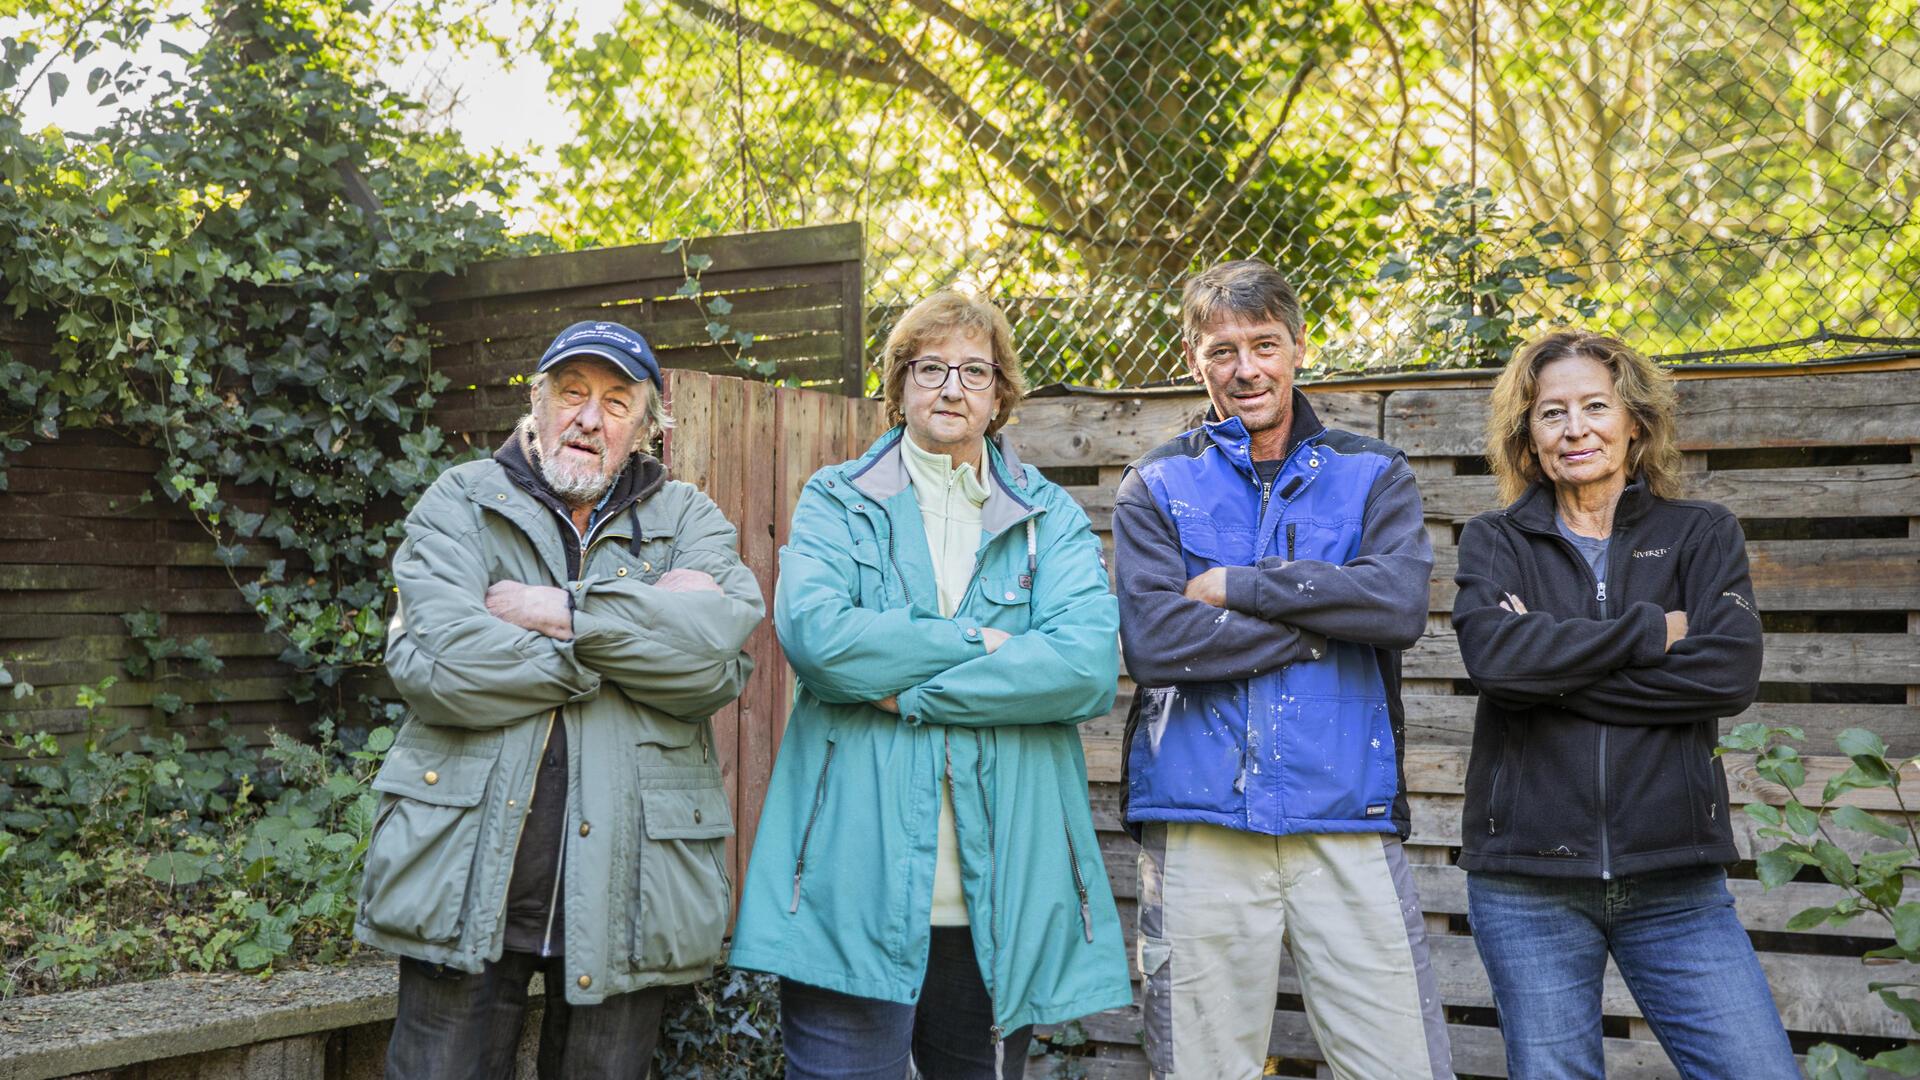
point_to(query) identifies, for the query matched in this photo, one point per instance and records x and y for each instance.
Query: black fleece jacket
(1593, 743)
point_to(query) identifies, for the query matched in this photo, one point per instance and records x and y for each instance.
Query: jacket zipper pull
(1491, 828)
(798, 866)
(1086, 917)
(1600, 592)
(1290, 526)
(999, 1052)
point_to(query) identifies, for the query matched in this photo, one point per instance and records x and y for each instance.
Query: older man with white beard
(569, 620)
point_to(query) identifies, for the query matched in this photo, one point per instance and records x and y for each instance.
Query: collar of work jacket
(1231, 436)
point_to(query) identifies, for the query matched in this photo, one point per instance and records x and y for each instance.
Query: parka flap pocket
(436, 777)
(686, 813)
(672, 734)
(1007, 592)
(866, 553)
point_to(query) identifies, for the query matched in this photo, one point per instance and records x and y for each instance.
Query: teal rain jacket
(840, 886)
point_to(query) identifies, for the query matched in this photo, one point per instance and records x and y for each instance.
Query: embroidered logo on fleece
(1655, 553)
(1746, 605)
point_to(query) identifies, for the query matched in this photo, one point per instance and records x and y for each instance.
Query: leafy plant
(1478, 281)
(131, 863)
(727, 1028)
(234, 273)
(1874, 882)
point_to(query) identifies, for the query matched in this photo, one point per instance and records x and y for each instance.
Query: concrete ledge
(133, 1024)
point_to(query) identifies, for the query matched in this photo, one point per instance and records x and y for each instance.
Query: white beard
(577, 485)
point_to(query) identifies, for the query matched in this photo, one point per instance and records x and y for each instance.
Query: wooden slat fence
(751, 447)
(87, 535)
(798, 292)
(1820, 466)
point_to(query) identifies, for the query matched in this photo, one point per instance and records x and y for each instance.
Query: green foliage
(735, 343)
(132, 863)
(727, 1028)
(1874, 883)
(215, 292)
(1480, 284)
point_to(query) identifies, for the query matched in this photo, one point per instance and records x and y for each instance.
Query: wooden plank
(1795, 575)
(810, 431)
(853, 325)
(1088, 430)
(727, 487)
(119, 553)
(633, 304)
(1816, 658)
(1817, 492)
(577, 269)
(761, 709)
(1864, 409)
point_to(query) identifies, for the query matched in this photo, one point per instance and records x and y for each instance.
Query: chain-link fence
(1701, 175)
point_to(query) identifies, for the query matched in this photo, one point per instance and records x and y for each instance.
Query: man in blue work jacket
(1271, 569)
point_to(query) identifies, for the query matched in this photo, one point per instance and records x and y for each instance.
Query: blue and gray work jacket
(1281, 712)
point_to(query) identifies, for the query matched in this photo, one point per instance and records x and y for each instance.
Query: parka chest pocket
(870, 576)
(683, 895)
(646, 560)
(1009, 604)
(425, 840)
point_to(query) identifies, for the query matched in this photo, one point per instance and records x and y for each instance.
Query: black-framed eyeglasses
(932, 374)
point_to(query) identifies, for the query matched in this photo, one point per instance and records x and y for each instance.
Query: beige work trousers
(1217, 908)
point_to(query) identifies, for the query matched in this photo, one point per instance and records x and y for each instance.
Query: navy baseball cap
(609, 341)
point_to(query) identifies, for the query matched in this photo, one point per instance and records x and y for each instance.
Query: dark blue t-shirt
(1594, 551)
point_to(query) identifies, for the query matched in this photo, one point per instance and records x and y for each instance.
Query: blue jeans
(452, 1025)
(1678, 945)
(834, 1036)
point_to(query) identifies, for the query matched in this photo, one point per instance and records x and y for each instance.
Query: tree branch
(979, 132)
(848, 62)
(1249, 168)
(1037, 65)
(1400, 80)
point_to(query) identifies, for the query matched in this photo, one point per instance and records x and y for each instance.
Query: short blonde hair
(943, 314)
(1644, 389)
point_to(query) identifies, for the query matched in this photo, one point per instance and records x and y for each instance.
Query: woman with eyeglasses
(926, 879)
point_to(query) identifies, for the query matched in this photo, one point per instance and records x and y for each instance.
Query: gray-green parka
(646, 893)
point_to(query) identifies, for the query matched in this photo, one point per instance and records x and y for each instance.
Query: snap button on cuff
(696, 817)
(585, 828)
(586, 981)
(621, 572)
(502, 496)
(431, 778)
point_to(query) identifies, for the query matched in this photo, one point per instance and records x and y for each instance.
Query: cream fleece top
(950, 498)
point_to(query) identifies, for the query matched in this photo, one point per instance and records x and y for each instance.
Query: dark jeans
(834, 1036)
(455, 1026)
(1680, 949)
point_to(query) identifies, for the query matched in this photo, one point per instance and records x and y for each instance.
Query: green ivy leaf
(176, 868)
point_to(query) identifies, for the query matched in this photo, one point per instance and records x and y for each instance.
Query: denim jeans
(834, 1036)
(453, 1025)
(1678, 945)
